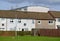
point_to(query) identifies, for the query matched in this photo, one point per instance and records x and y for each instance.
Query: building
(33, 8)
(26, 21)
(56, 16)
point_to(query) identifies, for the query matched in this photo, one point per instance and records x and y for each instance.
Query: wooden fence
(46, 32)
(34, 32)
(14, 33)
(7, 33)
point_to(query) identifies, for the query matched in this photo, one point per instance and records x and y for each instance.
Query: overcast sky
(8, 4)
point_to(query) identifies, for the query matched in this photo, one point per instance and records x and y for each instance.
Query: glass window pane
(2, 24)
(38, 21)
(33, 21)
(11, 20)
(24, 24)
(50, 21)
(59, 19)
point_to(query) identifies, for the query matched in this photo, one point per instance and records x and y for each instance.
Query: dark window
(59, 20)
(22, 29)
(50, 21)
(58, 26)
(38, 21)
(2, 24)
(11, 21)
(24, 24)
(33, 21)
(19, 21)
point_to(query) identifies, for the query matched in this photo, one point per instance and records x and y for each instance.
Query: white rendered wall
(16, 25)
(28, 22)
(57, 22)
(10, 25)
(3, 21)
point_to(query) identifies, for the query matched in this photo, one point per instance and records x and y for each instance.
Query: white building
(33, 9)
(8, 24)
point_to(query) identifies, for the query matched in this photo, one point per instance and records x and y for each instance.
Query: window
(58, 26)
(59, 20)
(24, 24)
(3, 19)
(25, 29)
(50, 21)
(39, 22)
(22, 29)
(19, 21)
(11, 21)
(2, 24)
(33, 21)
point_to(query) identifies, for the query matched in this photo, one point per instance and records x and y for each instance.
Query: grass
(29, 38)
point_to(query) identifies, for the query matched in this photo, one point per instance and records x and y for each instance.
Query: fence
(7, 33)
(14, 33)
(46, 32)
(34, 32)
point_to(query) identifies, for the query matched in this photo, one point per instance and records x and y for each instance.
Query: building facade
(56, 15)
(26, 21)
(9, 24)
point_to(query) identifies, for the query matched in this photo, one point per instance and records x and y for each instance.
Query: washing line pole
(16, 24)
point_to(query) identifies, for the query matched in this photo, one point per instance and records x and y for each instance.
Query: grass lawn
(29, 38)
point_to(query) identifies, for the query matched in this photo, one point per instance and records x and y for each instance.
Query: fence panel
(48, 32)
